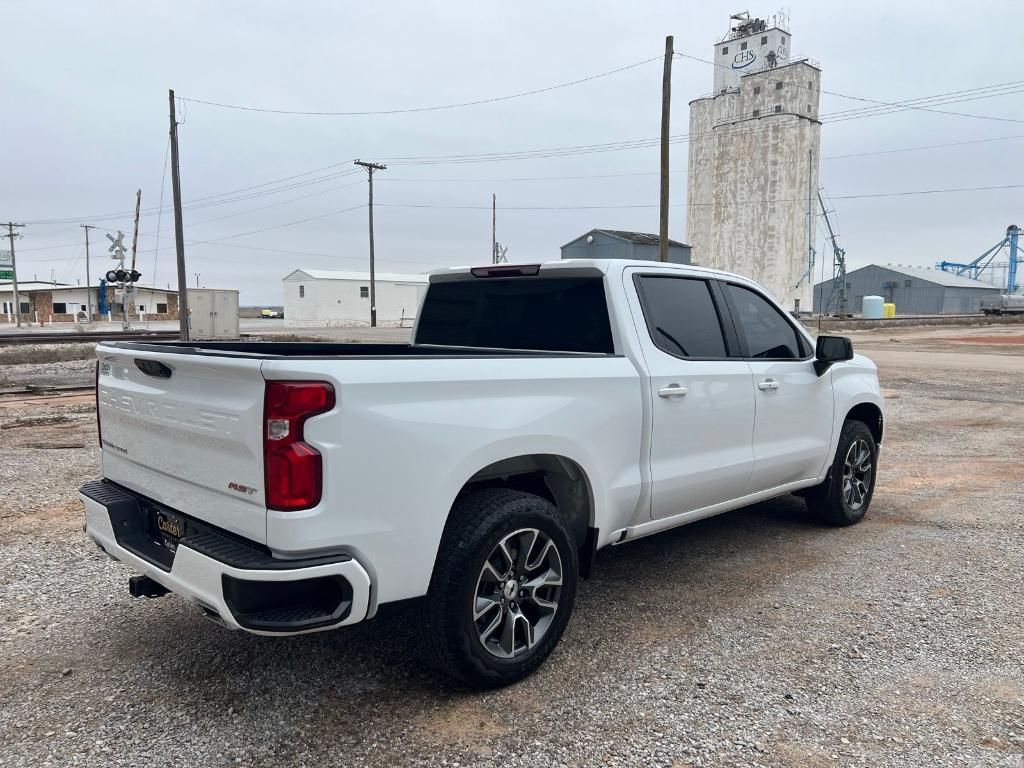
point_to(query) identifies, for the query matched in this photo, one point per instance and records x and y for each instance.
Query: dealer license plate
(170, 528)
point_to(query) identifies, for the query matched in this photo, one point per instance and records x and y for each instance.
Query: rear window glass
(557, 314)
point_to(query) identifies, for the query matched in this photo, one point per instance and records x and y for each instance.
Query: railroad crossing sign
(117, 246)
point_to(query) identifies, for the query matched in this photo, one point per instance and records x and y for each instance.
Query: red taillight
(294, 475)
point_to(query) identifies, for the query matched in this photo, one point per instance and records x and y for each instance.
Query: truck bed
(323, 350)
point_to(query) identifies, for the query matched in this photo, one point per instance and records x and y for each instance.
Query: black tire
(831, 501)
(478, 524)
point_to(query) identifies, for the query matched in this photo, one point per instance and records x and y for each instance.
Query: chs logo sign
(743, 59)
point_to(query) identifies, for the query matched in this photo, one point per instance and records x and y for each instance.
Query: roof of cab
(605, 266)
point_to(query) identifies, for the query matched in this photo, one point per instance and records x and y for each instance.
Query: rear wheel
(503, 587)
(844, 497)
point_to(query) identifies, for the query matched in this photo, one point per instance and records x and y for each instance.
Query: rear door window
(768, 333)
(555, 314)
(681, 316)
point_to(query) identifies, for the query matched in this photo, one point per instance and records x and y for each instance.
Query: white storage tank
(213, 313)
(873, 308)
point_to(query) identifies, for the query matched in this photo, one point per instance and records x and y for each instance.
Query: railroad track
(43, 394)
(42, 337)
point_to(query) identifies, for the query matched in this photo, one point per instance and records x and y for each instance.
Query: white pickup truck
(541, 413)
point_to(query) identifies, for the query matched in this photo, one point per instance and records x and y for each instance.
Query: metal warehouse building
(326, 298)
(617, 244)
(914, 290)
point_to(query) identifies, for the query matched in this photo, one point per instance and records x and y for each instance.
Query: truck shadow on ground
(698, 572)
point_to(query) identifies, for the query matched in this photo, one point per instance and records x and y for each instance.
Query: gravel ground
(753, 638)
(47, 364)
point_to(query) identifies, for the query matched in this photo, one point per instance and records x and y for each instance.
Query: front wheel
(503, 587)
(844, 497)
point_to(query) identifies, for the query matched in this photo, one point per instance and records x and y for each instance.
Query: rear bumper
(236, 582)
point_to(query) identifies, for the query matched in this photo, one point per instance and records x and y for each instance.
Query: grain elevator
(753, 161)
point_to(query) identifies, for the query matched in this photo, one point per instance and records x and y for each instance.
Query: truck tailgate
(186, 430)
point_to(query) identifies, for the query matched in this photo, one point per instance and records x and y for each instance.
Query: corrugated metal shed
(937, 276)
(914, 290)
(622, 244)
(641, 238)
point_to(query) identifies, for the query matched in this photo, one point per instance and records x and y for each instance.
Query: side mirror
(829, 350)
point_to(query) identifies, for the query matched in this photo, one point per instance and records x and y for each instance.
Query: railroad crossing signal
(117, 248)
(123, 276)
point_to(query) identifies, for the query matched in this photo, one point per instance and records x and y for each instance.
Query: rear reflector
(507, 270)
(293, 469)
(99, 427)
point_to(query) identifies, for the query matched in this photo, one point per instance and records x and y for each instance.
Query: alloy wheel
(517, 593)
(857, 474)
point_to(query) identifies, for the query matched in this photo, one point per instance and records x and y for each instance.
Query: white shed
(323, 298)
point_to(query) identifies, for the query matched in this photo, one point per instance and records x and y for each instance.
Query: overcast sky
(84, 124)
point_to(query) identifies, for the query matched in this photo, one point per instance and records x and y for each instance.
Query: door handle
(768, 385)
(672, 390)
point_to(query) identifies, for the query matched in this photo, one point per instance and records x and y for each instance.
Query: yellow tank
(889, 310)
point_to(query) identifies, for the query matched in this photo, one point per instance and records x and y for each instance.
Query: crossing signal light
(123, 276)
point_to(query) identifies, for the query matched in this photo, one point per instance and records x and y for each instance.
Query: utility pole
(494, 228)
(179, 232)
(370, 168)
(666, 110)
(88, 278)
(11, 226)
(129, 287)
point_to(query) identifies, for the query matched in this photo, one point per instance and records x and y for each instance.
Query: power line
(528, 178)
(533, 154)
(617, 206)
(891, 109)
(435, 108)
(740, 202)
(199, 203)
(925, 146)
(493, 179)
(275, 226)
(160, 206)
(919, 104)
(902, 104)
(538, 178)
(217, 242)
(225, 198)
(275, 205)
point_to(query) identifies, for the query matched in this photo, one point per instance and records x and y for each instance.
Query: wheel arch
(557, 478)
(871, 415)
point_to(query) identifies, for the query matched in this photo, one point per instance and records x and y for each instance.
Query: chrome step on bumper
(238, 583)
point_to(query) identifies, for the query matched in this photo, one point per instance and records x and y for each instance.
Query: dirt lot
(754, 638)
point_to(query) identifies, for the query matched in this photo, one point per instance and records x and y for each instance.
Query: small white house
(324, 298)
